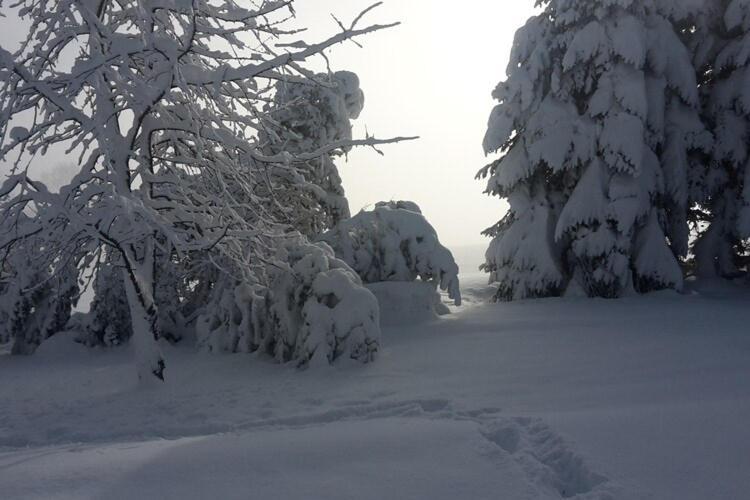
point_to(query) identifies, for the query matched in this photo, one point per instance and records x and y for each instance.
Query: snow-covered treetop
(311, 116)
(307, 115)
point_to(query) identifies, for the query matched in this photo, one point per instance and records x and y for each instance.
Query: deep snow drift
(641, 398)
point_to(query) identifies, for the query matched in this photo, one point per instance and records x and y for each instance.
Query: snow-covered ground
(641, 398)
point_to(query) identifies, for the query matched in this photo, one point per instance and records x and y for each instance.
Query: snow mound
(60, 347)
(404, 303)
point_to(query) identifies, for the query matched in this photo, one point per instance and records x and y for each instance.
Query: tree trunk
(149, 359)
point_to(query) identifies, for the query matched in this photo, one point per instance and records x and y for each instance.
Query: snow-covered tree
(315, 311)
(394, 242)
(307, 116)
(163, 101)
(595, 123)
(721, 190)
(35, 304)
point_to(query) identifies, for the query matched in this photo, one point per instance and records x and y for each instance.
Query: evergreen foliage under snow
(394, 242)
(315, 311)
(310, 116)
(600, 130)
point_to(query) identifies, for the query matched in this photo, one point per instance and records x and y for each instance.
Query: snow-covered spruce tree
(162, 100)
(595, 122)
(306, 116)
(394, 242)
(722, 193)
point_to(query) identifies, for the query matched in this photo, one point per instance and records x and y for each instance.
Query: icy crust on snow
(315, 311)
(394, 242)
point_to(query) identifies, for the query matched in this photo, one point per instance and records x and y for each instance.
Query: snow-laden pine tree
(595, 123)
(307, 116)
(162, 102)
(723, 193)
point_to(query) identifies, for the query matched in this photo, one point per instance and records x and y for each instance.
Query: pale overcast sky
(432, 76)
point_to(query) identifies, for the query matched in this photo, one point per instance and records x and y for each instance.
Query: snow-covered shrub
(305, 117)
(524, 265)
(598, 124)
(314, 311)
(235, 319)
(319, 303)
(394, 242)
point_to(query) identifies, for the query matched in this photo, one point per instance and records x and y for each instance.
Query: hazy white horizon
(432, 76)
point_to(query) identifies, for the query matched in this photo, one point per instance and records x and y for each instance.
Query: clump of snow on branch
(394, 242)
